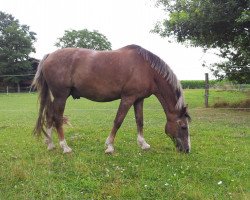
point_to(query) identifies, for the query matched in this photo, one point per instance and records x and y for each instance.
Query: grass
(217, 168)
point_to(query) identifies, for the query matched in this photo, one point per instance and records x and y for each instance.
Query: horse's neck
(167, 97)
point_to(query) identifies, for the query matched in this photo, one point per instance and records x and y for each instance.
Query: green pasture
(218, 166)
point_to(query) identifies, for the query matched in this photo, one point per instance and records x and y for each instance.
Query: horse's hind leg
(138, 107)
(48, 139)
(48, 135)
(58, 108)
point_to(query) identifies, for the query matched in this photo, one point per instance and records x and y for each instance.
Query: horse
(130, 73)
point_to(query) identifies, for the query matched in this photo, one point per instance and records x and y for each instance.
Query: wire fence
(15, 89)
(22, 86)
(236, 93)
(232, 87)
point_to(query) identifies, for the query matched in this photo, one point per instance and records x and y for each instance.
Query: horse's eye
(184, 127)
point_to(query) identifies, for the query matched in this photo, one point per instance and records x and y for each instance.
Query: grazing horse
(131, 74)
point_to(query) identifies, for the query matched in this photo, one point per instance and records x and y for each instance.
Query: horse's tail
(45, 99)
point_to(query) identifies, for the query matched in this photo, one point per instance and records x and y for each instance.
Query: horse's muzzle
(184, 148)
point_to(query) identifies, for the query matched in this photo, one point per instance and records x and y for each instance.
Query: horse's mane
(164, 70)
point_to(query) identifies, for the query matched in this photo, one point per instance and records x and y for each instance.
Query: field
(218, 166)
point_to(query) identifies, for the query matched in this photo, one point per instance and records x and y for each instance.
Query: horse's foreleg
(59, 105)
(124, 106)
(138, 107)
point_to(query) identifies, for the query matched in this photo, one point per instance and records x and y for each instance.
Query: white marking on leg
(48, 139)
(142, 142)
(110, 148)
(189, 143)
(65, 147)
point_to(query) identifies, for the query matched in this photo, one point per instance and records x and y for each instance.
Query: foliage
(16, 43)
(216, 168)
(84, 39)
(213, 24)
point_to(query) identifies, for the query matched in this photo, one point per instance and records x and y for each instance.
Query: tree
(223, 24)
(84, 39)
(16, 43)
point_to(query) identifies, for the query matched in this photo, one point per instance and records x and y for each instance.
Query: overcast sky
(123, 22)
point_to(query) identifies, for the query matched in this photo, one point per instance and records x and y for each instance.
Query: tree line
(224, 25)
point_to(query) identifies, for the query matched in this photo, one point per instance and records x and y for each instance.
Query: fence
(14, 89)
(238, 95)
(22, 86)
(212, 94)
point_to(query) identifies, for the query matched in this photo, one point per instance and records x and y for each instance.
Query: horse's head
(178, 130)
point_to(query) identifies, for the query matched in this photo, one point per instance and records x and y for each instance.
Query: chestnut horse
(131, 74)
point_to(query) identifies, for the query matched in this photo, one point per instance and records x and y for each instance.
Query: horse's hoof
(51, 146)
(110, 150)
(145, 147)
(143, 144)
(67, 150)
(46, 141)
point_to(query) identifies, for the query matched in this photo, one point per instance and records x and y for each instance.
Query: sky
(123, 22)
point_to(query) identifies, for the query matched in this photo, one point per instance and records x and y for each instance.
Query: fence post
(206, 89)
(7, 90)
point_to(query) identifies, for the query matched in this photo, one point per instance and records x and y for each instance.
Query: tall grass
(216, 168)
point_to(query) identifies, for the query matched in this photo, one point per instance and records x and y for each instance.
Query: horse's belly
(102, 97)
(96, 94)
